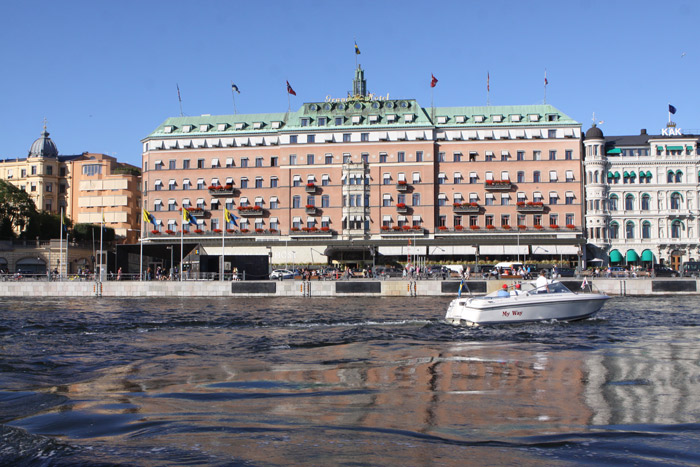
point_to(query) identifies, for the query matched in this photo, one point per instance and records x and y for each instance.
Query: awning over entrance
(615, 256)
(647, 255)
(632, 255)
(491, 249)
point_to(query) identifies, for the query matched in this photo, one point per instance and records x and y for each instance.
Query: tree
(16, 206)
(43, 225)
(88, 232)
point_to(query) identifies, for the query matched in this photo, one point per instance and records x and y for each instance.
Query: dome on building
(594, 133)
(44, 146)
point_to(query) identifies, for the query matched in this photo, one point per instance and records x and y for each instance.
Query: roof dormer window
(515, 118)
(534, 117)
(479, 118)
(257, 125)
(460, 118)
(221, 126)
(442, 120)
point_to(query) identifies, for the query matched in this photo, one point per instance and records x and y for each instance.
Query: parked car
(618, 271)
(388, 271)
(438, 271)
(564, 272)
(690, 269)
(660, 270)
(280, 274)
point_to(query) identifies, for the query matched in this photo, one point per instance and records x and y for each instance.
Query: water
(343, 381)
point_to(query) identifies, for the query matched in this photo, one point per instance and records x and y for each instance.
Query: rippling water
(350, 381)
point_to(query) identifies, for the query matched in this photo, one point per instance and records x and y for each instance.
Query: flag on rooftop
(178, 92)
(671, 109)
(290, 90)
(545, 78)
(357, 49)
(433, 81)
(488, 81)
(235, 88)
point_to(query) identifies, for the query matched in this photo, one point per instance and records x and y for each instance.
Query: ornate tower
(359, 84)
(597, 212)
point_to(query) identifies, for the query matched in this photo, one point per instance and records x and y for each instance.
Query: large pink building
(346, 179)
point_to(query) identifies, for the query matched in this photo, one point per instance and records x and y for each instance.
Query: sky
(104, 74)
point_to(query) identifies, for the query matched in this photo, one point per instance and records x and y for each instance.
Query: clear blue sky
(104, 73)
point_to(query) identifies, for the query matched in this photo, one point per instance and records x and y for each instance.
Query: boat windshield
(552, 287)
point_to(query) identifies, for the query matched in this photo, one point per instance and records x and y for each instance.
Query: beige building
(351, 178)
(82, 185)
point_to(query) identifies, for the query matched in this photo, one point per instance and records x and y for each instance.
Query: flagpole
(179, 98)
(102, 229)
(223, 232)
(182, 233)
(289, 102)
(233, 96)
(488, 89)
(545, 85)
(141, 249)
(60, 250)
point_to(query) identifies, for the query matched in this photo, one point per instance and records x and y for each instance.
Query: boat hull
(523, 309)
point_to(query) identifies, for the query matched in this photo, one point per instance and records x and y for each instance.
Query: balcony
(251, 211)
(311, 210)
(311, 188)
(465, 208)
(497, 185)
(196, 212)
(402, 186)
(401, 208)
(220, 190)
(531, 206)
(402, 231)
(306, 232)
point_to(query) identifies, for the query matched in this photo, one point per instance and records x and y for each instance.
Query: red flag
(433, 81)
(488, 80)
(545, 78)
(290, 90)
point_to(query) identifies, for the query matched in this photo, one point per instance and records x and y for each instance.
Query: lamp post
(140, 252)
(170, 269)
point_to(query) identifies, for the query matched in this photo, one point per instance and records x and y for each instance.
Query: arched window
(613, 202)
(629, 230)
(676, 229)
(595, 175)
(679, 176)
(646, 229)
(629, 202)
(614, 230)
(675, 200)
(646, 202)
(670, 177)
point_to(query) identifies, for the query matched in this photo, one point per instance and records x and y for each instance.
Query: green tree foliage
(16, 206)
(43, 225)
(85, 232)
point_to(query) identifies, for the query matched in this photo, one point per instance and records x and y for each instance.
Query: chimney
(643, 131)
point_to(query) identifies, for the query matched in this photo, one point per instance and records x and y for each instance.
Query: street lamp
(171, 260)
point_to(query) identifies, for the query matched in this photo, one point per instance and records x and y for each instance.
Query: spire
(359, 84)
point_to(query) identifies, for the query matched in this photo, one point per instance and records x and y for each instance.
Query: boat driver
(541, 283)
(503, 292)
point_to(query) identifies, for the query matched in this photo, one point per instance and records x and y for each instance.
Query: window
(274, 182)
(536, 176)
(505, 220)
(553, 219)
(186, 164)
(419, 156)
(612, 203)
(570, 198)
(364, 136)
(646, 229)
(171, 164)
(346, 137)
(629, 230)
(200, 184)
(258, 182)
(172, 185)
(629, 202)
(274, 203)
(536, 155)
(386, 179)
(679, 177)
(473, 177)
(505, 199)
(521, 177)
(310, 138)
(670, 177)
(364, 158)
(570, 219)
(490, 156)
(304, 122)
(309, 159)
(24, 173)
(568, 154)
(646, 201)
(244, 182)
(489, 199)
(244, 162)
(214, 205)
(553, 198)
(520, 155)
(325, 180)
(200, 163)
(329, 159)
(489, 220)
(88, 169)
(442, 199)
(274, 161)
(441, 157)
(296, 201)
(296, 181)
(553, 176)
(569, 175)
(401, 156)
(676, 229)
(473, 221)
(322, 121)
(49, 187)
(311, 200)
(347, 158)
(552, 155)
(325, 201)
(521, 219)
(382, 157)
(457, 157)
(415, 199)
(258, 162)
(537, 219)
(292, 139)
(338, 121)
(386, 200)
(551, 133)
(675, 201)
(457, 178)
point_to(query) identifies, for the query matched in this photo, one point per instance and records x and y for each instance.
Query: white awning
(273, 199)
(229, 180)
(491, 250)
(442, 196)
(442, 175)
(296, 219)
(229, 161)
(402, 177)
(401, 218)
(200, 200)
(457, 196)
(386, 196)
(537, 194)
(186, 181)
(171, 201)
(200, 180)
(229, 200)
(325, 177)
(157, 202)
(521, 195)
(570, 174)
(214, 181)
(505, 152)
(386, 218)
(244, 199)
(567, 249)
(458, 175)
(416, 218)
(273, 220)
(344, 176)
(259, 199)
(544, 250)
(489, 175)
(489, 195)
(310, 178)
(325, 219)
(473, 175)
(515, 249)
(310, 220)
(570, 194)
(214, 201)
(215, 162)
(553, 194)
(297, 178)
(489, 153)
(402, 250)
(172, 182)
(186, 201)
(505, 195)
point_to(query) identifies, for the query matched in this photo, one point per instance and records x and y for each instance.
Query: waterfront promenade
(298, 288)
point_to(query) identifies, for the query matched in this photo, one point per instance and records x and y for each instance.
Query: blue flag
(671, 109)
(459, 292)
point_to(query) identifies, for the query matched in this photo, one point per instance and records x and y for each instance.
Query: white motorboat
(529, 303)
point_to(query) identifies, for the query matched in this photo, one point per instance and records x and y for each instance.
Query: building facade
(83, 186)
(642, 197)
(366, 175)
